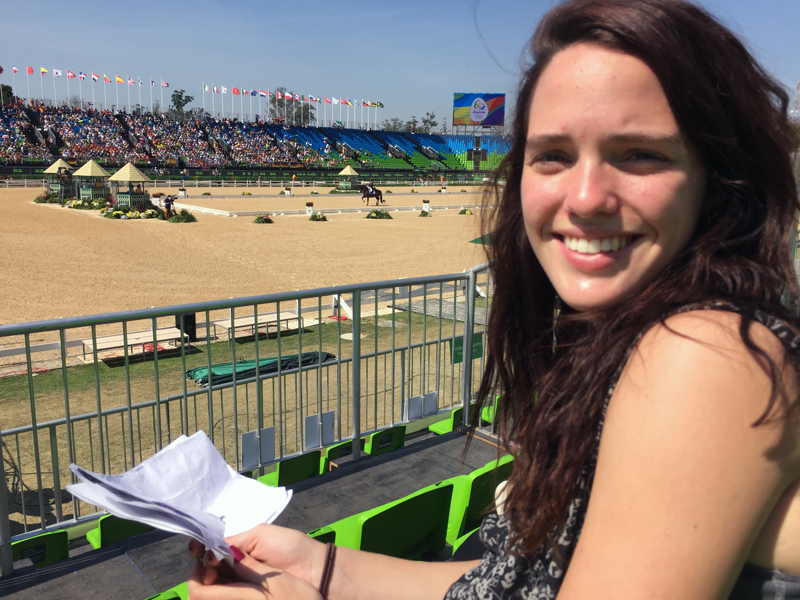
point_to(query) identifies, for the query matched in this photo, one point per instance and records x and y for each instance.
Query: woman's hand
(284, 549)
(249, 578)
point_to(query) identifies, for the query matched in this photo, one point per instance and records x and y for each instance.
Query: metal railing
(108, 391)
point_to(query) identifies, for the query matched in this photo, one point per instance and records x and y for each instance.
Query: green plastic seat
(406, 528)
(336, 451)
(473, 494)
(323, 534)
(449, 424)
(386, 440)
(294, 469)
(179, 592)
(111, 529)
(489, 412)
(43, 549)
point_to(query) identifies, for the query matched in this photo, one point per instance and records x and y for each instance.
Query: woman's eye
(643, 155)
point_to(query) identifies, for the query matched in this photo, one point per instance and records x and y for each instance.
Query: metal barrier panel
(108, 391)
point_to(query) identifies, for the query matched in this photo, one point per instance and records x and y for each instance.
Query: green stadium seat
(449, 424)
(111, 529)
(179, 592)
(386, 440)
(294, 469)
(488, 411)
(473, 494)
(323, 534)
(406, 528)
(336, 451)
(43, 549)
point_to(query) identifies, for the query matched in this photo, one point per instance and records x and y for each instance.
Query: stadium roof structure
(59, 164)
(349, 171)
(91, 169)
(129, 173)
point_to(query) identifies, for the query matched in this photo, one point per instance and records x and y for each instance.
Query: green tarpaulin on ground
(485, 239)
(223, 373)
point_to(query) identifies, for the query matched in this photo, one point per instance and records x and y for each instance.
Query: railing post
(469, 327)
(6, 562)
(56, 472)
(356, 375)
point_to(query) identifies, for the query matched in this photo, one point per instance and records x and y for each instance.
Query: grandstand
(31, 137)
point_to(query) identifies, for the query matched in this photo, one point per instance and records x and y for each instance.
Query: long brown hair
(734, 114)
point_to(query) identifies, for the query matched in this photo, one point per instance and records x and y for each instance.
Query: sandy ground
(58, 262)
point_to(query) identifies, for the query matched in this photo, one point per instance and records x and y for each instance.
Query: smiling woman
(640, 332)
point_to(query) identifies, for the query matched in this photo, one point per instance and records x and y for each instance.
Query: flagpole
(41, 83)
(129, 94)
(116, 83)
(80, 88)
(213, 91)
(28, 77)
(204, 97)
(55, 96)
(14, 81)
(105, 93)
(151, 93)
(140, 92)
(161, 106)
(93, 104)
(69, 100)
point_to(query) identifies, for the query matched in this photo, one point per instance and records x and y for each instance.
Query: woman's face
(611, 190)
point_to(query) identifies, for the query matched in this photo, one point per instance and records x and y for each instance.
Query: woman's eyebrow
(635, 138)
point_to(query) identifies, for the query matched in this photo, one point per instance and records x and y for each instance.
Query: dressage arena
(58, 262)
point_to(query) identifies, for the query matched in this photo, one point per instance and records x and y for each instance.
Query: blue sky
(411, 55)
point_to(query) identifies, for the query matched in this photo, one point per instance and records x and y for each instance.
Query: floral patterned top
(504, 576)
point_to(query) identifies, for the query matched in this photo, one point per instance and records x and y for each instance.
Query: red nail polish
(238, 555)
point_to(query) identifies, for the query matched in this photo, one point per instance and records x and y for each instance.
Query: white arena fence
(431, 186)
(107, 391)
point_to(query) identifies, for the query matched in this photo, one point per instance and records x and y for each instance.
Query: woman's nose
(589, 192)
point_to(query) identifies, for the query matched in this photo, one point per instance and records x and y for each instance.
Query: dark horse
(367, 194)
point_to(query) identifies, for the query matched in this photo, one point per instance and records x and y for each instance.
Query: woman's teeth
(584, 246)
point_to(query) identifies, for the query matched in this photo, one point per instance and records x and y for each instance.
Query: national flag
(152, 83)
(70, 74)
(164, 84)
(95, 76)
(14, 69)
(1, 70)
(304, 98)
(30, 70)
(224, 90)
(343, 101)
(140, 81)
(278, 95)
(106, 79)
(262, 94)
(297, 97)
(270, 94)
(335, 101)
(236, 92)
(43, 71)
(81, 75)
(379, 104)
(56, 72)
(253, 93)
(207, 88)
(90, 103)
(131, 81)
(216, 90)
(327, 100)
(119, 79)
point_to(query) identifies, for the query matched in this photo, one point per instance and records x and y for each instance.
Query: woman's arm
(356, 574)
(684, 483)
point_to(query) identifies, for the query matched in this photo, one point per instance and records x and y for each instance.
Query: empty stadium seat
(406, 528)
(43, 549)
(111, 529)
(488, 412)
(336, 451)
(294, 469)
(386, 440)
(450, 423)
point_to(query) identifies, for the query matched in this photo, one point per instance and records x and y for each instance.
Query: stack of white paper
(186, 488)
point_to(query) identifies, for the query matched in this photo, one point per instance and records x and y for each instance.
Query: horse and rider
(370, 191)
